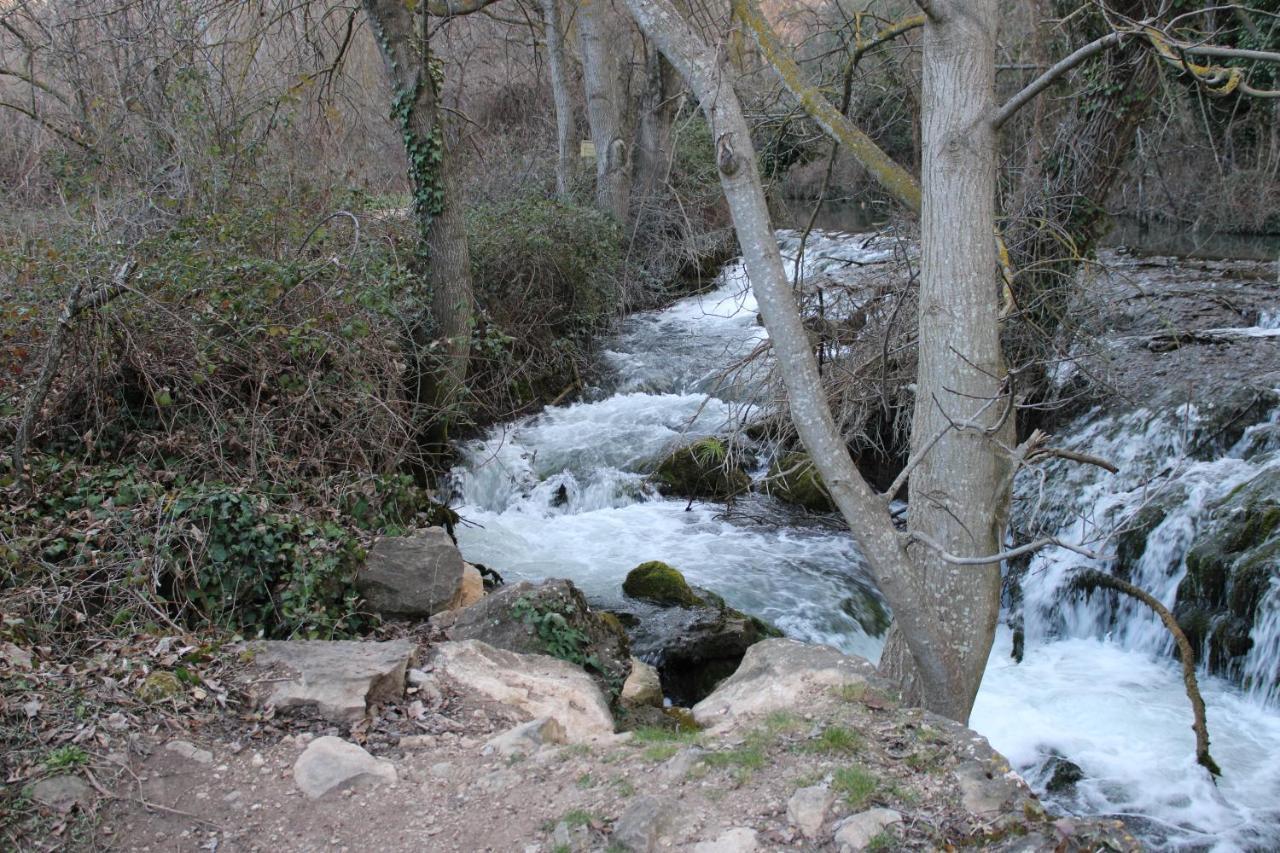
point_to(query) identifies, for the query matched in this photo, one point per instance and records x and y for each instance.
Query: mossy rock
(159, 686)
(703, 469)
(795, 479)
(659, 583)
(1230, 567)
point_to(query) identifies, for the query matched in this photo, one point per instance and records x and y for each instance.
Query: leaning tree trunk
(560, 96)
(948, 637)
(960, 483)
(441, 333)
(602, 35)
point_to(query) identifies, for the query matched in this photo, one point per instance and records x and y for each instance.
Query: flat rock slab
(538, 685)
(62, 793)
(776, 675)
(413, 576)
(338, 678)
(333, 764)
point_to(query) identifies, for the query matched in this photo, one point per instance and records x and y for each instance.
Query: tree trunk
(441, 333)
(657, 114)
(560, 95)
(601, 37)
(960, 485)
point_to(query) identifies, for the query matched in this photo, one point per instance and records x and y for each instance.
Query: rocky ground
(802, 749)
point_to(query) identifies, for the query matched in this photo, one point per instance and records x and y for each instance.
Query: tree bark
(440, 335)
(560, 96)
(600, 38)
(657, 115)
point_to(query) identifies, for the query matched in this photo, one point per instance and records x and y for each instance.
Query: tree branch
(1090, 580)
(924, 539)
(889, 33)
(456, 8)
(900, 183)
(1046, 79)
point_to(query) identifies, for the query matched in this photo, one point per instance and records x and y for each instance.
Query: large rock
(778, 674)
(332, 764)
(548, 618)
(412, 576)
(795, 479)
(538, 685)
(854, 834)
(808, 807)
(339, 679)
(643, 686)
(690, 634)
(642, 824)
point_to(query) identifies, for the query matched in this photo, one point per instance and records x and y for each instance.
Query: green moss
(703, 469)
(159, 686)
(657, 582)
(795, 479)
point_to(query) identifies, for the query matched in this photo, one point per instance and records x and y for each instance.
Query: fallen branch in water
(76, 303)
(1088, 581)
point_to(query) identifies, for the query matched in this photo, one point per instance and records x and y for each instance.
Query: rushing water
(563, 494)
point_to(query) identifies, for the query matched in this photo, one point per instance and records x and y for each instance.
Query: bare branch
(1046, 79)
(924, 539)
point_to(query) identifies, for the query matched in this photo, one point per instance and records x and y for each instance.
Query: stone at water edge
(526, 738)
(470, 588)
(412, 576)
(854, 833)
(776, 675)
(538, 685)
(339, 678)
(332, 764)
(808, 807)
(738, 840)
(642, 687)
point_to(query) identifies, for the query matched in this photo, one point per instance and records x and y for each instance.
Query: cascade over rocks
(547, 618)
(413, 576)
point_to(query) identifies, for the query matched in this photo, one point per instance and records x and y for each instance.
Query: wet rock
(1063, 774)
(643, 686)
(645, 820)
(778, 674)
(704, 469)
(186, 749)
(794, 479)
(552, 618)
(331, 764)
(62, 793)
(738, 840)
(537, 685)
(338, 679)
(526, 738)
(808, 807)
(411, 576)
(854, 833)
(693, 646)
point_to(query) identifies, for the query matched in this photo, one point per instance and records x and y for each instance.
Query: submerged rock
(704, 469)
(547, 618)
(412, 576)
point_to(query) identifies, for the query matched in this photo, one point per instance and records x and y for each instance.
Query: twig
(75, 304)
(924, 539)
(1089, 580)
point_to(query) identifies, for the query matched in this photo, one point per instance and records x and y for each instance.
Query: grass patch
(837, 740)
(65, 757)
(856, 785)
(850, 692)
(586, 781)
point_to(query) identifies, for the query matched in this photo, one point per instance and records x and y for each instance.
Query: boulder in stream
(704, 469)
(794, 479)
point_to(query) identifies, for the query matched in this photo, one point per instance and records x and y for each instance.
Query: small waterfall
(1262, 664)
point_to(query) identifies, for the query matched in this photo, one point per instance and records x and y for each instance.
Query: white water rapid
(563, 494)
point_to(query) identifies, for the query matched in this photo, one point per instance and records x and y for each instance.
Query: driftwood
(1090, 580)
(77, 303)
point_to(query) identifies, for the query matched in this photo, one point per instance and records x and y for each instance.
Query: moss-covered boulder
(690, 634)
(704, 469)
(795, 479)
(659, 583)
(1230, 566)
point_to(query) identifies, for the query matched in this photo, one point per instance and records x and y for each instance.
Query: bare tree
(602, 35)
(560, 95)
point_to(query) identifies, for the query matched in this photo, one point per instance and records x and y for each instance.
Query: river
(563, 494)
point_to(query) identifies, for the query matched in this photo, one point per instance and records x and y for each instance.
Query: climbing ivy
(425, 153)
